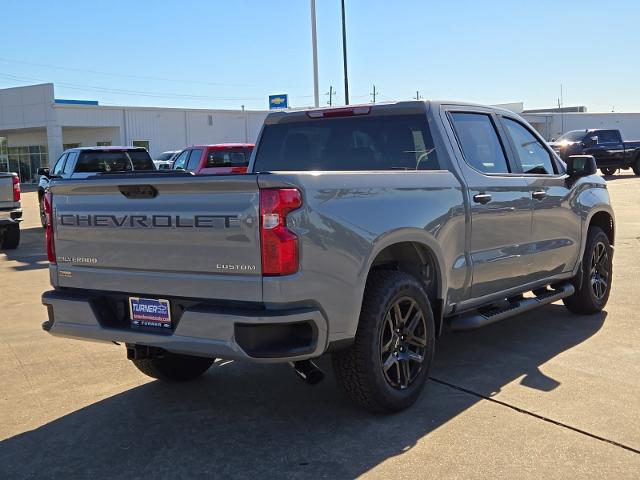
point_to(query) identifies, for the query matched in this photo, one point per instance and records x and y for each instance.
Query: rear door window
(227, 158)
(194, 159)
(393, 142)
(479, 142)
(141, 160)
(104, 161)
(608, 136)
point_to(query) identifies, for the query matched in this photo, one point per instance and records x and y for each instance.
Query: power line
(124, 75)
(94, 89)
(85, 87)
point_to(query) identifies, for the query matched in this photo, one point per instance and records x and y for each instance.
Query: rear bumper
(10, 216)
(265, 336)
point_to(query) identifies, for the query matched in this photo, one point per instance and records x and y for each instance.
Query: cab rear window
(97, 161)
(395, 142)
(227, 158)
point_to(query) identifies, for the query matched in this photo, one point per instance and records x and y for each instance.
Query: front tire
(386, 368)
(608, 170)
(11, 237)
(636, 165)
(172, 367)
(596, 274)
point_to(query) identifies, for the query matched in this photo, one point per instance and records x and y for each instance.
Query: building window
(24, 161)
(67, 146)
(141, 143)
(103, 144)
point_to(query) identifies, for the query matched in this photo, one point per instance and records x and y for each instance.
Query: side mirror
(581, 166)
(43, 171)
(592, 141)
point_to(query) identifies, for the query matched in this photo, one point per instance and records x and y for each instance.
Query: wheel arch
(417, 253)
(605, 221)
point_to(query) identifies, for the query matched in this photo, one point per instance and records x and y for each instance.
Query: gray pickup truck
(10, 211)
(360, 231)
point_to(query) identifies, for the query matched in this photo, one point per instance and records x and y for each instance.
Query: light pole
(314, 41)
(344, 57)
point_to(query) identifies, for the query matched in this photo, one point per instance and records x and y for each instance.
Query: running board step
(473, 320)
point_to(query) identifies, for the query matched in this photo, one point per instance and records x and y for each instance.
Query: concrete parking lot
(544, 395)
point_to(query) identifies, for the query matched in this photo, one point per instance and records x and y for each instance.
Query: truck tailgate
(160, 235)
(6, 190)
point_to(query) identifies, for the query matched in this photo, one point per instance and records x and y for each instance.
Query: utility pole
(344, 57)
(246, 125)
(560, 106)
(417, 97)
(374, 94)
(314, 41)
(331, 93)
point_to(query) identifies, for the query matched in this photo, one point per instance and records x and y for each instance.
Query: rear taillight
(279, 244)
(48, 231)
(16, 189)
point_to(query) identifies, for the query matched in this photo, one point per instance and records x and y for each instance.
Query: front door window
(181, 161)
(531, 154)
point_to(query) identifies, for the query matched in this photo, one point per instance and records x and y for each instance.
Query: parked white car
(164, 161)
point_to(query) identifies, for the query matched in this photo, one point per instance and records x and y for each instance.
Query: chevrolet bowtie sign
(278, 101)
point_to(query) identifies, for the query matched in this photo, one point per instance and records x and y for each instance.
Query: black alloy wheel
(403, 343)
(599, 272)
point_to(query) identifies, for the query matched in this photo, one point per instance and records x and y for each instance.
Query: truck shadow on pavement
(30, 254)
(244, 420)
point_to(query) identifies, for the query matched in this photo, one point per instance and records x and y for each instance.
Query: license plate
(150, 312)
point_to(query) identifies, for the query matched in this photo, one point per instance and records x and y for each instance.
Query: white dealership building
(35, 127)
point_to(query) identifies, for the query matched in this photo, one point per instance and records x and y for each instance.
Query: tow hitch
(139, 352)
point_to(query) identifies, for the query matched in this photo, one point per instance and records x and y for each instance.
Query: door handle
(482, 198)
(539, 194)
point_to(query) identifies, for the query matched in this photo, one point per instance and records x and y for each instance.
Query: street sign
(278, 101)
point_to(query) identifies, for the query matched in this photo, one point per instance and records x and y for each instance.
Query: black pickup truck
(608, 148)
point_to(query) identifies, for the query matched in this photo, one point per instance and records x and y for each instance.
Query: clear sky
(225, 53)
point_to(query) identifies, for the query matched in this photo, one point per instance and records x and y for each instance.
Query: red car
(214, 159)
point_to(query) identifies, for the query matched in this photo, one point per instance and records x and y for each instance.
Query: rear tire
(636, 165)
(171, 367)
(608, 170)
(11, 237)
(596, 272)
(386, 368)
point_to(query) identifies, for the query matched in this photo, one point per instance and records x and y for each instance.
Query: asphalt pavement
(546, 395)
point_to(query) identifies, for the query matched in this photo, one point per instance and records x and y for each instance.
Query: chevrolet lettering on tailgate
(148, 221)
